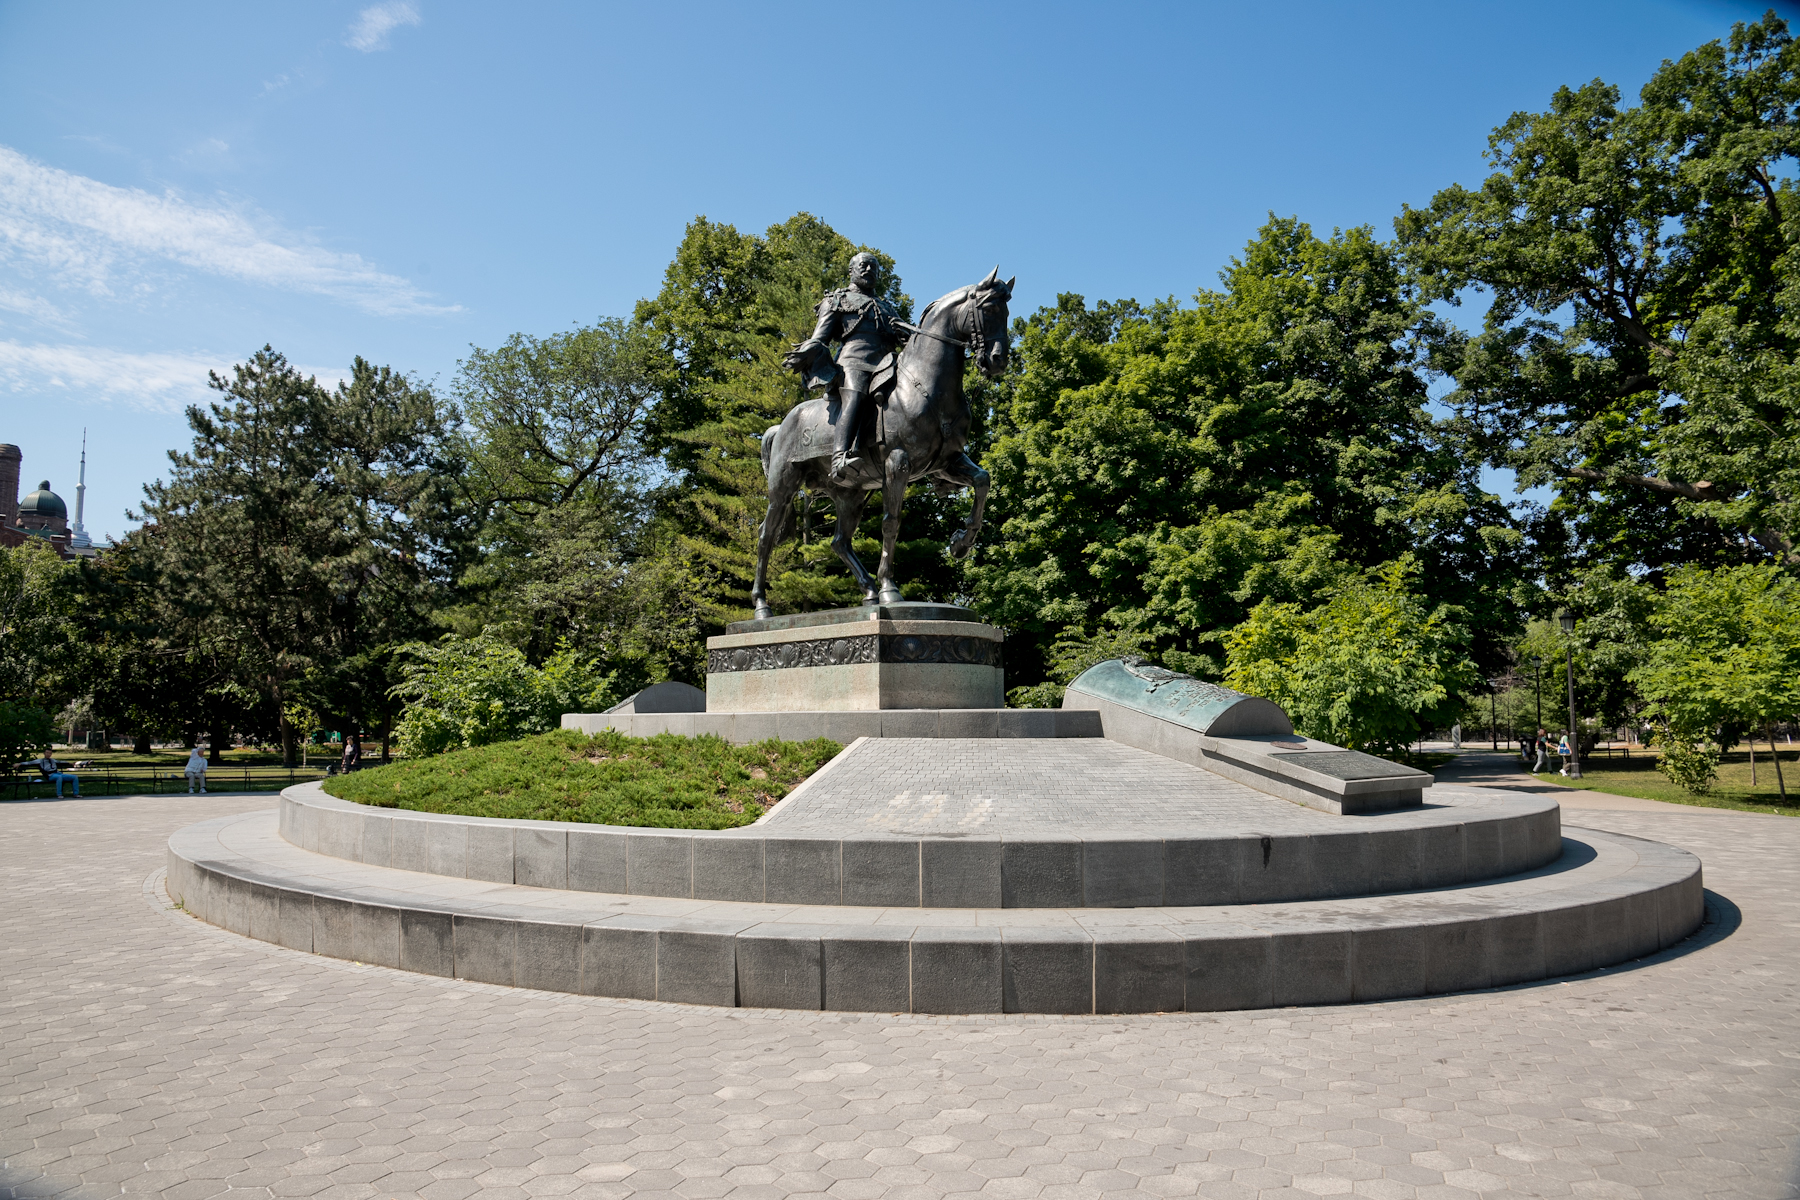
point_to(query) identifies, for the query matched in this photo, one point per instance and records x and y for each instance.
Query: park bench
(124, 781)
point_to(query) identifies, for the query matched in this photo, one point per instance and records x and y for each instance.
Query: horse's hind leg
(850, 504)
(784, 481)
(893, 497)
(963, 471)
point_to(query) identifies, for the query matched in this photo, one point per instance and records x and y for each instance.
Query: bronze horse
(920, 433)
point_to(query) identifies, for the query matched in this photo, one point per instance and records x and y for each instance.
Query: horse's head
(987, 323)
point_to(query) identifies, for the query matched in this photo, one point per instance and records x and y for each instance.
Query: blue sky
(181, 184)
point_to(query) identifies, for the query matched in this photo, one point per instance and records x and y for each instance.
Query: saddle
(817, 438)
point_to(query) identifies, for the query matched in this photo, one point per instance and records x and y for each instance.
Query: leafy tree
(557, 419)
(25, 728)
(1070, 655)
(573, 549)
(146, 669)
(1644, 269)
(1372, 667)
(1610, 642)
(39, 650)
(1728, 660)
(475, 691)
(1160, 470)
(305, 525)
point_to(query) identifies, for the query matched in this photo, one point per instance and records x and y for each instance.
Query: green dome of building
(43, 503)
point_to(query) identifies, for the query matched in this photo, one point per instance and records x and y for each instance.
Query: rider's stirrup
(841, 464)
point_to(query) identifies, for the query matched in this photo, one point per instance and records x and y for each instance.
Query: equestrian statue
(890, 410)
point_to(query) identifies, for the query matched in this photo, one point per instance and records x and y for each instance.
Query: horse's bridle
(977, 339)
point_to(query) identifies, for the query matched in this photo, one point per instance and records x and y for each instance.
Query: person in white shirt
(196, 770)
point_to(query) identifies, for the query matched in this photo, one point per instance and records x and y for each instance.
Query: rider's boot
(843, 460)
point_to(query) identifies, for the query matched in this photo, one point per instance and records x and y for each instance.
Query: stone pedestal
(881, 656)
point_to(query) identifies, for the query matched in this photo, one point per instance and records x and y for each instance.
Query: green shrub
(476, 691)
(1371, 668)
(666, 781)
(1691, 764)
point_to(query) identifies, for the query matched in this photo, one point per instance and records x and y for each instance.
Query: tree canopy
(1641, 261)
(1161, 469)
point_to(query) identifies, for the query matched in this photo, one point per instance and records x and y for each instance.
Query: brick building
(40, 513)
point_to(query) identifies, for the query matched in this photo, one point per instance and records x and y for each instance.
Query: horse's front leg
(849, 505)
(963, 471)
(893, 497)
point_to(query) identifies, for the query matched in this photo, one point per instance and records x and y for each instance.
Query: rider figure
(868, 330)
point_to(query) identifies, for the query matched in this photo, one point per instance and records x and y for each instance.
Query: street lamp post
(1538, 682)
(1566, 619)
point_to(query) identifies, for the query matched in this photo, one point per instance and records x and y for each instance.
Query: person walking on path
(52, 773)
(352, 754)
(1543, 753)
(1562, 748)
(196, 770)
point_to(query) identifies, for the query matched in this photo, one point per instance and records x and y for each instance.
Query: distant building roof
(43, 503)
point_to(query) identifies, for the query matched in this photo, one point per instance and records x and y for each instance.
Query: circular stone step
(977, 823)
(1607, 898)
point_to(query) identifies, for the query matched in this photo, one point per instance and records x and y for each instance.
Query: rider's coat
(866, 325)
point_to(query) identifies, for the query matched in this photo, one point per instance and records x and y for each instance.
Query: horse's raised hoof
(959, 544)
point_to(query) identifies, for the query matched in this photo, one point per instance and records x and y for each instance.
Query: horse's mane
(947, 299)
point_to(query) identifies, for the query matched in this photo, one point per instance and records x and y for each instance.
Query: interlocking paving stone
(142, 1051)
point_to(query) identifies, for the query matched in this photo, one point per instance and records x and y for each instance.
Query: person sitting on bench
(52, 773)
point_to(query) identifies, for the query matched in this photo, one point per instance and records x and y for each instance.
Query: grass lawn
(664, 782)
(1636, 776)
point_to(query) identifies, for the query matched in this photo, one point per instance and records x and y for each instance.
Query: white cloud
(35, 307)
(160, 382)
(85, 233)
(372, 26)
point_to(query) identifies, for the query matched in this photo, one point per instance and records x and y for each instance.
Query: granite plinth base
(880, 657)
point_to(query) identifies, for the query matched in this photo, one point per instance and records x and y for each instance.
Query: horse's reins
(975, 339)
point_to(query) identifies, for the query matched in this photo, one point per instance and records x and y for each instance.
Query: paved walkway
(143, 1052)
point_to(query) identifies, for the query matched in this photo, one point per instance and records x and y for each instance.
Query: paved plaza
(1029, 785)
(145, 1052)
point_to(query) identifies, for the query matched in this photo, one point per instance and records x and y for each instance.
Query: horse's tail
(768, 446)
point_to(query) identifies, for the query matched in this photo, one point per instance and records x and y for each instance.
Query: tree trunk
(140, 743)
(1780, 783)
(215, 753)
(289, 744)
(387, 728)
